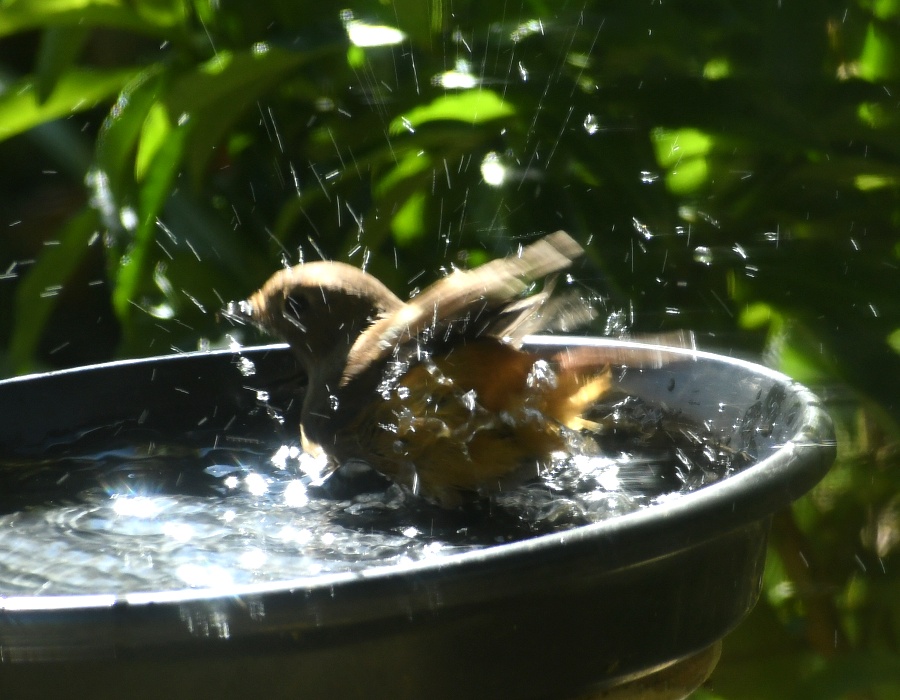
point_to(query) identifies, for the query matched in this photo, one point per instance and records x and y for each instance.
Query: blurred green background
(733, 168)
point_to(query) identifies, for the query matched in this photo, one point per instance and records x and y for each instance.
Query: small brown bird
(434, 393)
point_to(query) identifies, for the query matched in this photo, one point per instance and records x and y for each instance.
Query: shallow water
(147, 517)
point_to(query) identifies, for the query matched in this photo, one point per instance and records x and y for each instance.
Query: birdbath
(117, 477)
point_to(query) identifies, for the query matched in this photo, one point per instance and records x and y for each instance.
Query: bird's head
(319, 308)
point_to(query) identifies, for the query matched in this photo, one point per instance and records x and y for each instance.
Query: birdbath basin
(112, 590)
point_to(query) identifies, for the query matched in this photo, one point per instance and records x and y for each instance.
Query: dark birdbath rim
(596, 604)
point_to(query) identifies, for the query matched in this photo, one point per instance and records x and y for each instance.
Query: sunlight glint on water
(156, 518)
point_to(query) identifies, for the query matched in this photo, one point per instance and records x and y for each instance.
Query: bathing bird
(437, 393)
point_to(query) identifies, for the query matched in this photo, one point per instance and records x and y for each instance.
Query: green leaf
(58, 50)
(76, 91)
(119, 135)
(410, 165)
(213, 96)
(147, 17)
(153, 194)
(683, 153)
(886, 9)
(672, 146)
(759, 315)
(471, 107)
(408, 223)
(155, 131)
(880, 55)
(893, 341)
(36, 295)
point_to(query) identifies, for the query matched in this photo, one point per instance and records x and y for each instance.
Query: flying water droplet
(128, 218)
(246, 367)
(703, 255)
(616, 324)
(591, 125)
(523, 72)
(493, 170)
(541, 375)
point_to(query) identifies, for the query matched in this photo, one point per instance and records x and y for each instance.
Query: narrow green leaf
(133, 266)
(119, 136)
(77, 90)
(57, 52)
(144, 17)
(471, 107)
(155, 131)
(36, 295)
(408, 223)
(886, 9)
(673, 146)
(410, 165)
(880, 55)
(893, 340)
(216, 94)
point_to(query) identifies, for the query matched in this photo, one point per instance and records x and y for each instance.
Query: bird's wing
(470, 300)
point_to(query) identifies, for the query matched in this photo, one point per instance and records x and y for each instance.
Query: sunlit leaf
(874, 181)
(409, 221)
(717, 68)
(683, 152)
(76, 90)
(757, 315)
(876, 115)
(154, 133)
(367, 35)
(471, 107)
(688, 176)
(673, 146)
(880, 57)
(412, 164)
(893, 341)
(356, 57)
(148, 16)
(886, 9)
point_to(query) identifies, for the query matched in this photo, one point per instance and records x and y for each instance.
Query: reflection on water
(152, 518)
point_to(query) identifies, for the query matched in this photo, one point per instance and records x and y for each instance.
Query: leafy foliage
(733, 167)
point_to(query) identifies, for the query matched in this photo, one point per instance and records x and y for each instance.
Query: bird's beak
(241, 312)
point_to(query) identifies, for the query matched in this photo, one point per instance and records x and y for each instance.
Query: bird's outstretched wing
(469, 300)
